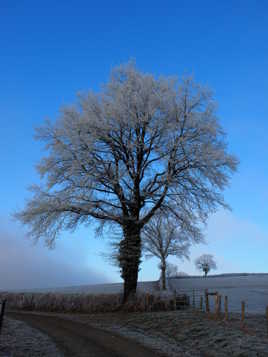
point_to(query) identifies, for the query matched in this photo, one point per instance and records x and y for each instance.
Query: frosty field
(180, 332)
(251, 288)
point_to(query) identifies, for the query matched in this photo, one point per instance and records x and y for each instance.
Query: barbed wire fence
(215, 304)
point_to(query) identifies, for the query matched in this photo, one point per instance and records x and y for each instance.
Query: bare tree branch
(139, 146)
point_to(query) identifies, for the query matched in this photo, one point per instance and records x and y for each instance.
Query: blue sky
(51, 50)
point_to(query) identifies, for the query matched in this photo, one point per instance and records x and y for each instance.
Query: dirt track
(76, 339)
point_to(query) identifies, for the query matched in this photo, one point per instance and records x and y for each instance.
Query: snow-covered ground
(148, 286)
(251, 288)
(19, 339)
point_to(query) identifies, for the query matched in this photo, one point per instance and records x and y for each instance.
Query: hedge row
(85, 303)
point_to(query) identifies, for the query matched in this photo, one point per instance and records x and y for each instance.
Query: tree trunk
(130, 258)
(163, 272)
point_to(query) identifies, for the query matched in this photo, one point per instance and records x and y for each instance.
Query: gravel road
(75, 339)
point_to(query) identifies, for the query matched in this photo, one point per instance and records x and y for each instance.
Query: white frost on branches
(163, 237)
(205, 263)
(120, 155)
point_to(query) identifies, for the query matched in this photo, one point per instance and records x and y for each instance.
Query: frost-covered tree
(163, 237)
(119, 155)
(172, 269)
(205, 263)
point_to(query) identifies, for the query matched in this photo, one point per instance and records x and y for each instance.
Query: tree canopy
(118, 156)
(163, 237)
(205, 263)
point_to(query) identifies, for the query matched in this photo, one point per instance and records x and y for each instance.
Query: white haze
(27, 266)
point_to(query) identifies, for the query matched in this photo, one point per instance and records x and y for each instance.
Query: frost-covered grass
(252, 288)
(20, 340)
(116, 288)
(87, 303)
(187, 332)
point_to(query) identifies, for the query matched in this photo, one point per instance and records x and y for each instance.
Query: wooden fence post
(216, 298)
(146, 302)
(201, 302)
(242, 312)
(3, 305)
(207, 301)
(175, 301)
(226, 307)
(219, 304)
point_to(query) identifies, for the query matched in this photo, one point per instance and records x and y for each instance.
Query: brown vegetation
(88, 303)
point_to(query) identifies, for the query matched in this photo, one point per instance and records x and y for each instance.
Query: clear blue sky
(51, 50)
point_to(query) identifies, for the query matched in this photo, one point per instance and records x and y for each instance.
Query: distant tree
(120, 155)
(205, 263)
(163, 237)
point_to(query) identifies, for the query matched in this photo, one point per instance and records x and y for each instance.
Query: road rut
(77, 339)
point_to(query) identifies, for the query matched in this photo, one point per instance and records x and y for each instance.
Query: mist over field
(24, 265)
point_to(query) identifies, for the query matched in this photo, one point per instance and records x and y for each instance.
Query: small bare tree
(121, 154)
(163, 237)
(205, 263)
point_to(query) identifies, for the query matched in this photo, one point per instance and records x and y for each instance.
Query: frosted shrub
(85, 303)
